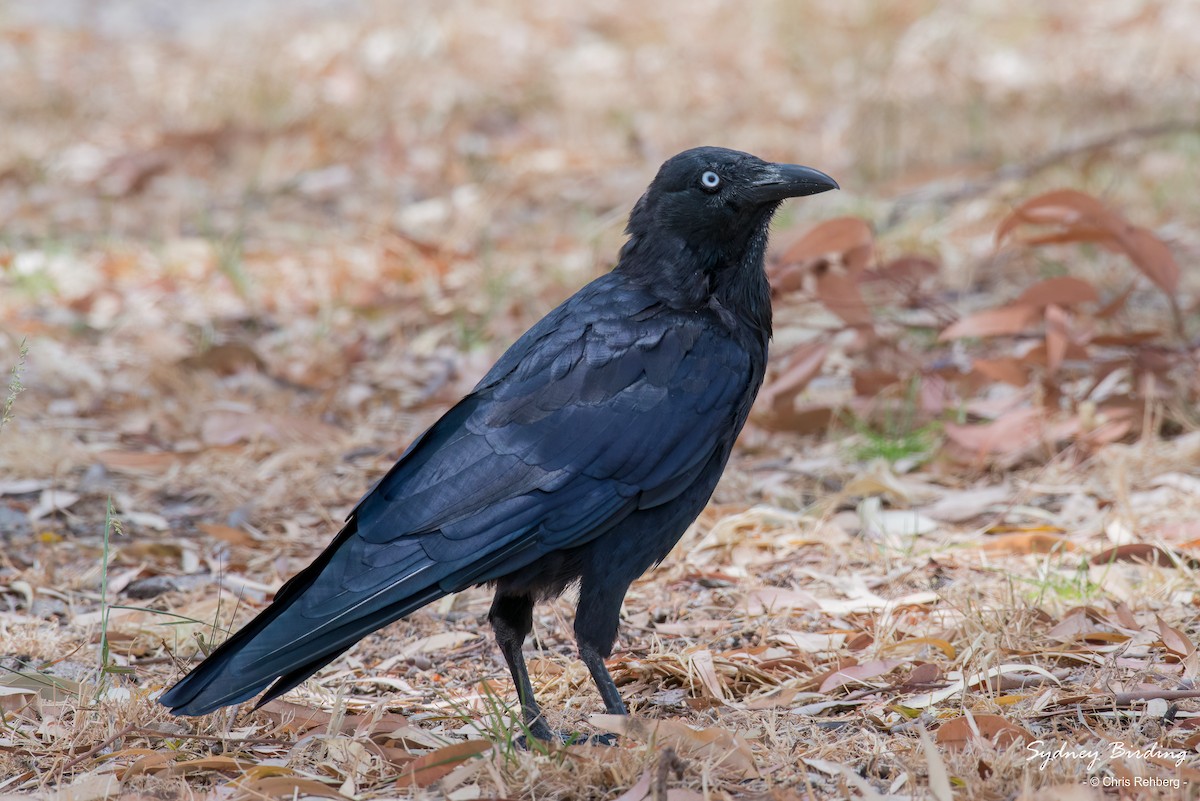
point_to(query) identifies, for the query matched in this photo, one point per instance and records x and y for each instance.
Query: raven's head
(706, 214)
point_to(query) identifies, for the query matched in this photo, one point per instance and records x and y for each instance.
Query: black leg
(596, 621)
(604, 682)
(511, 617)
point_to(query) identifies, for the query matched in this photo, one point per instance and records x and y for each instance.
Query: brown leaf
(1012, 432)
(869, 383)
(226, 427)
(223, 764)
(772, 600)
(1064, 207)
(838, 236)
(910, 270)
(1174, 640)
(283, 787)
(1126, 339)
(143, 462)
(803, 418)
(151, 762)
(1115, 305)
(1027, 543)
(225, 359)
(1151, 255)
(638, 791)
(1006, 369)
(1058, 336)
(1083, 218)
(942, 645)
(838, 290)
(1142, 552)
(701, 662)
(1004, 321)
(428, 768)
(292, 717)
(725, 747)
(803, 365)
(956, 734)
(1062, 291)
(854, 674)
(234, 536)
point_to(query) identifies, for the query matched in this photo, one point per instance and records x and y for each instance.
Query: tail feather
(284, 645)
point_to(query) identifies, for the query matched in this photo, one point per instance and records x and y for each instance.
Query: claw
(564, 738)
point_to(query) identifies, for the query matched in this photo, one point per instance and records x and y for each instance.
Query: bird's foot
(542, 737)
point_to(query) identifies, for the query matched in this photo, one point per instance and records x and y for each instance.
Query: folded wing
(610, 404)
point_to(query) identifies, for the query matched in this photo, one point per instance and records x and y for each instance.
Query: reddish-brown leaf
(1063, 207)
(1128, 339)
(234, 536)
(869, 383)
(284, 787)
(854, 674)
(1006, 369)
(1175, 640)
(428, 768)
(838, 290)
(1083, 218)
(1058, 336)
(1152, 256)
(1027, 542)
(716, 745)
(148, 462)
(1115, 305)
(802, 418)
(225, 359)
(837, 236)
(1006, 320)
(1142, 552)
(956, 734)
(1011, 432)
(1062, 291)
(803, 365)
(1080, 232)
(906, 270)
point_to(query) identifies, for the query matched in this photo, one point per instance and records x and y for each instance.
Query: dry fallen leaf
(1004, 321)
(717, 745)
(959, 732)
(428, 768)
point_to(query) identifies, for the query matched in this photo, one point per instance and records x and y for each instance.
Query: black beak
(780, 181)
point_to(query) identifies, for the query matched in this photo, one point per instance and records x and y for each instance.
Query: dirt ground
(249, 250)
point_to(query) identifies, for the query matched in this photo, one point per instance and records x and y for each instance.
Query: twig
(101, 746)
(214, 738)
(937, 193)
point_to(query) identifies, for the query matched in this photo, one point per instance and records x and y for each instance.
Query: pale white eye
(710, 180)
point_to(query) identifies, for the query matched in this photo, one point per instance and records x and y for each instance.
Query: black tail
(309, 624)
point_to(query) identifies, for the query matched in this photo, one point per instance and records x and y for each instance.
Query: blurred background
(279, 224)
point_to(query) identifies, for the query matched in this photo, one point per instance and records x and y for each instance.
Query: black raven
(581, 457)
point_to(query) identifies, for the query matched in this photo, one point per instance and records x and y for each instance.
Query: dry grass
(253, 251)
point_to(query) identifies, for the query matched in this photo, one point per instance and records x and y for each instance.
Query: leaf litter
(960, 522)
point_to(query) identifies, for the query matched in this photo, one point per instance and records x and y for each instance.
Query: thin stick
(937, 193)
